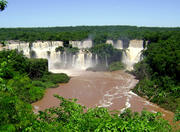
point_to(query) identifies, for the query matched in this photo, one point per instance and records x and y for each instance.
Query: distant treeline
(99, 34)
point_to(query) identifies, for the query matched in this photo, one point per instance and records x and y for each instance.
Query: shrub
(177, 115)
(141, 70)
(116, 66)
(72, 50)
(38, 84)
(60, 48)
(16, 62)
(106, 53)
(56, 78)
(37, 67)
(36, 93)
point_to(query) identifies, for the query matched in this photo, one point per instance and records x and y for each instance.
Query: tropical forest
(99, 78)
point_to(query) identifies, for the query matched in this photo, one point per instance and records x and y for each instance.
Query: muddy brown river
(103, 89)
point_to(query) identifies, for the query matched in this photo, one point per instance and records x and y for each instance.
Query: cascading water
(88, 59)
(110, 42)
(83, 60)
(119, 44)
(96, 59)
(116, 44)
(74, 60)
(80, 60)
(132, 54)
(106, 61)
(56, 60)
(82, 44)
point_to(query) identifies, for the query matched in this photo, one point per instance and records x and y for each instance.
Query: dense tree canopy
(22, 81)
(159, 72)
(99, 34)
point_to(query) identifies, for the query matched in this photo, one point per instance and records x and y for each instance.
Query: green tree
(159, 72)
(106, 53)
(3, 4)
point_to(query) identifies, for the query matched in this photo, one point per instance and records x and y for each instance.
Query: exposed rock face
(76, 44)
(82, 44)
(136, 43)
(110, 42)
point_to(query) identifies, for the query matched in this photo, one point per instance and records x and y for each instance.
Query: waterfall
(116, 44)
(82, 44)
(74, 60)
(110, 42)
(106, 61)
(65, 59)
(119, 44)
(132, 54)
(88, 60)
(24, 47)
(96, 59)
(81, 60)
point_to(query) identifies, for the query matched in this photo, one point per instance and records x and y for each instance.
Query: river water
(103, 89)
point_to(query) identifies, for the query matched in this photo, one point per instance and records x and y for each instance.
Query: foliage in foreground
(70, 116)
(22, 81)
(177, 115)
(26, 78)
(3, 4)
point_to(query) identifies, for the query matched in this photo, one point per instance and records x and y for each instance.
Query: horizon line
(93, 26)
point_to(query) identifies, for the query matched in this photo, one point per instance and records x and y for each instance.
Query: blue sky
(48, 13)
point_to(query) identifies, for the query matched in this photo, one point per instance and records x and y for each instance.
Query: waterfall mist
(80, 60)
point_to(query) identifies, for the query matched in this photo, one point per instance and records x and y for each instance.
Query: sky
(50, 13)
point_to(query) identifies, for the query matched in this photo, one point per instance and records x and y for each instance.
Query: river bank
(100, 89)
